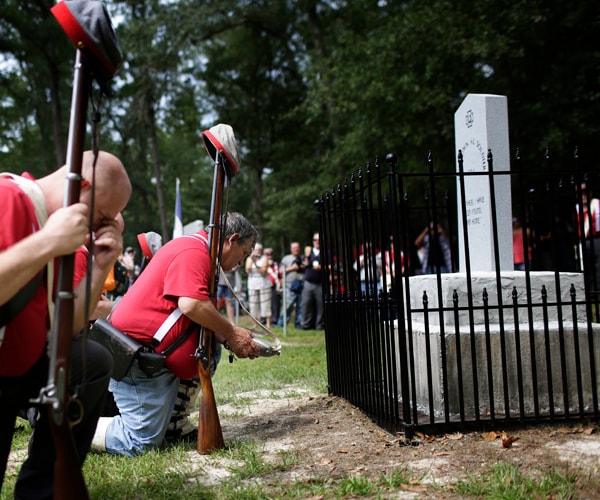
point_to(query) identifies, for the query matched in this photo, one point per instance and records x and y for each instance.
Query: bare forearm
(64, 231)
(204, 313)
(102, 309)
(20, 263)
(81, 316)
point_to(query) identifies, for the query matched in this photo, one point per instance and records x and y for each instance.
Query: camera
(297, 261)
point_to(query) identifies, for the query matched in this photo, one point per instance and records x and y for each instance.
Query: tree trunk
(160, 196)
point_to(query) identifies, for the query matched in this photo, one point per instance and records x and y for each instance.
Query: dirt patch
(332, 439)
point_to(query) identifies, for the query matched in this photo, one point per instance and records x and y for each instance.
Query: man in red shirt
(35, 229)
(174, 285)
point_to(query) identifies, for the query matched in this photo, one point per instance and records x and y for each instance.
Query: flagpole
(178, 223)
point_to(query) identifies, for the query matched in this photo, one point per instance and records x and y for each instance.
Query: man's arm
(103, 309)
(204, 313)
(63, 233)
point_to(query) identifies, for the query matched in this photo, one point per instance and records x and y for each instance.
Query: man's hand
(67, 229)
(241, 343)
(108, 245)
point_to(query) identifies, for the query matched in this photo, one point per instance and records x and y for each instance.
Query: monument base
(529, 362)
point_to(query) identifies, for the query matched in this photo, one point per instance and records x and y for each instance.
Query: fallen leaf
(507, 440)
(442, 454)
(589, 430)
(564, 430)
(490, 436)
(456, 436)
(424, 437)
(343, 451)
(324, 461)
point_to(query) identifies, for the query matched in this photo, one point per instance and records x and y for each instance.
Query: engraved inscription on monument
(481, 124)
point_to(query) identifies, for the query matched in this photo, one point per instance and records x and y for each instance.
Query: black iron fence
(418, 337)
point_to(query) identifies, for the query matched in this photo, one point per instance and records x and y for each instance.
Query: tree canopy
(314, 89)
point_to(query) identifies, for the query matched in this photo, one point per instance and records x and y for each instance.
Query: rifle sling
(16, 304)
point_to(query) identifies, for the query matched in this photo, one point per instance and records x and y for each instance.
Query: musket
(220, 144)
(98, 54)
(210, 435)
(65, 410)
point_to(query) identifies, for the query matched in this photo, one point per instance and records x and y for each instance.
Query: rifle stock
(210, 435)
(64, 408)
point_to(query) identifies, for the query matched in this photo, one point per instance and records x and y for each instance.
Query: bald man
(35, 229)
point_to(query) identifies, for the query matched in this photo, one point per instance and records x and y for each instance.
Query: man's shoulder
(14, 198)
(8, 182)
(185, 250)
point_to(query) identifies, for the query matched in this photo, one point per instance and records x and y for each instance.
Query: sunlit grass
(301, 366)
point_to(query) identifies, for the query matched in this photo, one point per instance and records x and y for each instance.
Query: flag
(178, 224)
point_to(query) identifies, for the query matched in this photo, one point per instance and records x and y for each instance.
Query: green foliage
(355, 486)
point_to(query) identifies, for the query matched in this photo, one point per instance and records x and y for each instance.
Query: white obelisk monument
(481, 125)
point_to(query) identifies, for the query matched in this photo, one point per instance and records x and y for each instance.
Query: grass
(162, 474)
(508, 481)
(302, 365)
(169, 474)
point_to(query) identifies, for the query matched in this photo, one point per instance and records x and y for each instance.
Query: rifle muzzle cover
(89, 27)
(221, 138)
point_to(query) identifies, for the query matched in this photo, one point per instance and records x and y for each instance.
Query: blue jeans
(292, 299)
(145, 406)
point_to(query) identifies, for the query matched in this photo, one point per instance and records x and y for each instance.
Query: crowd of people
(280, 290)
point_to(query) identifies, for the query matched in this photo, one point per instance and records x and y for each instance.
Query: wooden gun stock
(68, 478)
(210, 435)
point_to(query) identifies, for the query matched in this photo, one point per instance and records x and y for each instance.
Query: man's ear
(233, 237)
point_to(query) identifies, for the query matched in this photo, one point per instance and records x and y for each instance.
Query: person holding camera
(293, 266)
(259, 285)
